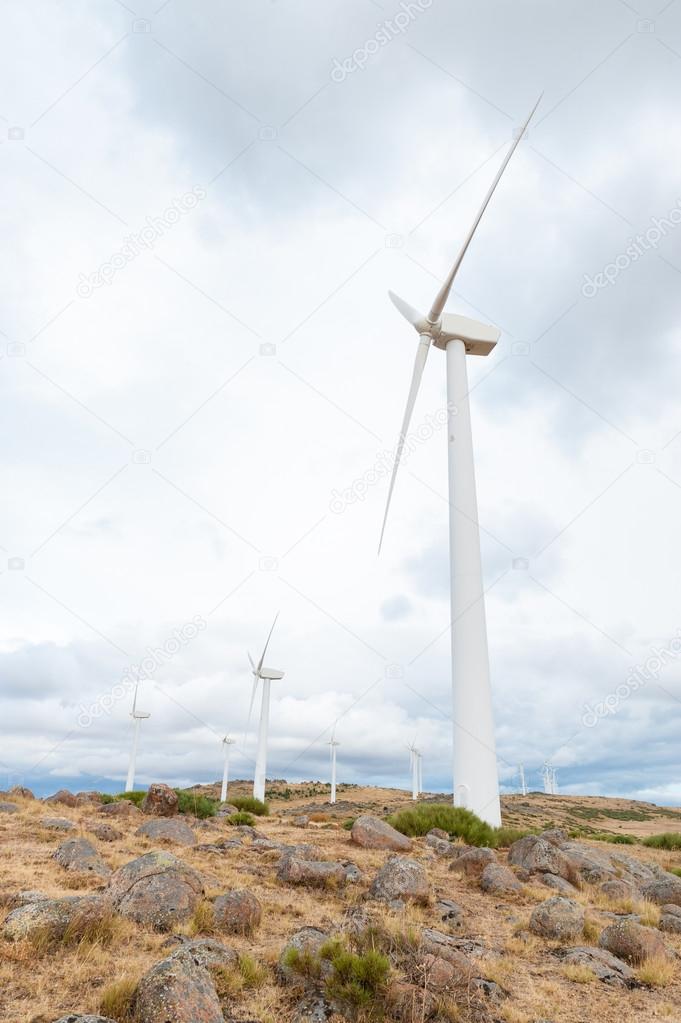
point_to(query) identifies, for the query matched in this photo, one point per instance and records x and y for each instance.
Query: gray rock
(120, 808)
(237, 912)
(671, 922)
(496, 879)
(630, 941)
(315, 874)
(401, 878)
(558, 919)
(21, 791)
(64, 797)
(80, 856)
(444, 946)
(168, 829)
(9, 808)
(372, 833)
(160, 801)
(619, 889)
(472, 862)
(178, 990)
(104, 832)
(306, 941)
(442, 846)
(157, 889)
(76, 1018)
(352, 873)
(603, 964)
(57, 824)
(54, 917)
(664, 890)
(312, 1009)
(301, 822)
(558, 884)
(450, 913)
(539, 856)
(556, 836)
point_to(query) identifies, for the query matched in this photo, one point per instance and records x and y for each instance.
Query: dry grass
(579, 974)
(657, 971)
(118, 1000)
(591, 931)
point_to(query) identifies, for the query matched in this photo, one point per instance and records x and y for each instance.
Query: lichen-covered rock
(472, 862)
(670, 919)
(237, 912)
(160, 801)
(451, 913)
(442, 846)
(619, 889)
(53, 917)
(180, 988)
(373, 833)
(157, 889)
(21, 791)
(104, 832)
(120, 808)
(91, 797)
(558, 884)
(603, 964)
(9, 807)
(558, 919)
(556, 836)
(80, 856)
(76, 1018)
(497, 879)
(401, 878)
(539, 856)
(410, 1003)
(664, 890)
(57, 824)
(443, 946)
(313, 1008)
(305, 942)
(315, 874)
(167, 829)
(630, 941)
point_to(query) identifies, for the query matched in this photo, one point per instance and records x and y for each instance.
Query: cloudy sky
(205, 204)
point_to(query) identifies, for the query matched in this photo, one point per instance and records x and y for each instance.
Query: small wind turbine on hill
(476, 783)
(523, 784)
(266, 676)
(137, 716)
(548, 773)
(414, 759)
(227, 744)
(333, 744)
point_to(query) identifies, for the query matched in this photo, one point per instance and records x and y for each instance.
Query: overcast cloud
(180, 421)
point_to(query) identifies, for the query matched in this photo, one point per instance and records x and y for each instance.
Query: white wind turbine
(414, 759)
(266, 676)
(523, 783)
(333, 744)
(227, 744)
(419, 771)
(137, 716)
(475, 778)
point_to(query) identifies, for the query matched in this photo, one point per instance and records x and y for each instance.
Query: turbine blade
(267, 643)
(252, 662)
(419, 363)
(410, 314)
(250, 706)
(443, 294)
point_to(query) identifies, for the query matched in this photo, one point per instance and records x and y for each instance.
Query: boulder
(301, 821)
(80, 856)
(401, 878)
(76, 1018)
(157, 889)
(207, 953)
(558, 884)
(160, 801)
(104, 832)
(630, 941)
(496, 879)
(539, 856)
(558, 919)
(439, 975)
(92, 797)
(443, 946)
(180, 989)
(473, 861)
(314, 873)
(372, 833)
(306, 941)
(57, 824)
(663, 891)
(438, 833)
(237, 912)
(670, 919)
(168, 830)
(21, 791)
(8, 807)
(555, 836)
(64, 797)
(619, 889)
(410, 1003)
(603, 964)
(120, 808)
(312, 1009)
(442, 846)
(53, 917)
(450, 912)
(24, 898)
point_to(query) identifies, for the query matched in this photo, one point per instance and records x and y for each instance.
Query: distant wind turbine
(137, 716)
(475, 778)
(414, 756)
(333, 744)
(227, 744)
(266, 676)
(523, 784)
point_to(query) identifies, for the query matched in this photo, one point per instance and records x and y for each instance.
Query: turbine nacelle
(479, 338)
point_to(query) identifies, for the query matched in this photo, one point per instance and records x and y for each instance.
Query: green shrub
(675, 870)
(106, 798)
(134, 797)
(199, 806)
(251, 805)
(240, 818)
(348, 823)
(667, 840)
(456, 821)
(358, 982)
(614, 839)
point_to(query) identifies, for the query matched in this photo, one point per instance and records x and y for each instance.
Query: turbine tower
(475, 778)
(419, 771)
(549, 778)
(266, 676)
(414, 756)
(227, 744)
(523, 783)
(333, 744)
(137, 716)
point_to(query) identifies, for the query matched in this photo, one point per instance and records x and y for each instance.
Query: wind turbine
(414, 757)
(523, 783)
(333, 744)
(227, 743)
(266, 676)
(419, 771)
(476, 783)
(137, 716)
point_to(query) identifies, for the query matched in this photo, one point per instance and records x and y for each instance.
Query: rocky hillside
(144, 915)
